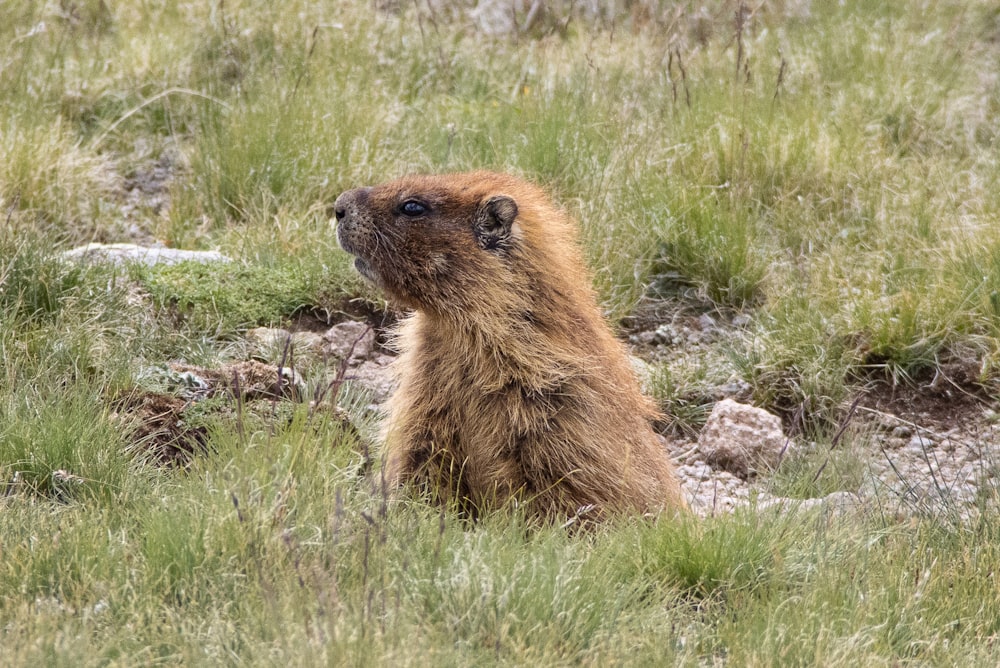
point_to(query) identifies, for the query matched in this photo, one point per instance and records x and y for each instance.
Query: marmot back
(511, 385)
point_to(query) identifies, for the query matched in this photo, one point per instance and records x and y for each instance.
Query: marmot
(511, 385)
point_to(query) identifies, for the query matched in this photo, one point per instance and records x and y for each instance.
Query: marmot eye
(412, 207)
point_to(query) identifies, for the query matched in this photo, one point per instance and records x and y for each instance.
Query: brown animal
(511, 385)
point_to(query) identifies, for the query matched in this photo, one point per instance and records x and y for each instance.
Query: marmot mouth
(365, 269)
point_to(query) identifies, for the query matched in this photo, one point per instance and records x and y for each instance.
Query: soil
(159, 433)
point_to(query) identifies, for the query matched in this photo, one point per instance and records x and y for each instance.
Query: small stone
(902, 431)
(665, 334)
(351, 339)
(919, 443)
(891, 443)
(742, 439)
(644, 338)
(271, 342)
(741, 320)
(730, 390)
(267, 337)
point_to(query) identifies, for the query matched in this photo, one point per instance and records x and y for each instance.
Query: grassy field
(827, 170)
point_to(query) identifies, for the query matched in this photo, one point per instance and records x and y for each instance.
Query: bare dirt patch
(948, 399)
(159, 432)
(169, 428)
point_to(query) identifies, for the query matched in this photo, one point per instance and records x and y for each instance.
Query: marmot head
(454, 241)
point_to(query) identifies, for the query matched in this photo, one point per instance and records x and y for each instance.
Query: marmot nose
(339, 208)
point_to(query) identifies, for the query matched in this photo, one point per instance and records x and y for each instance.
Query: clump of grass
(685, 390)
(723, 555)
(222, 298)
(63, 446)
(718, 250)
(52, 182)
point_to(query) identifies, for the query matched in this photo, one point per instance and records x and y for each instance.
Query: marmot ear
(494, 221)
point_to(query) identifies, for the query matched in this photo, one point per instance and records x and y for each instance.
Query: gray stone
(902, 431)
(742, 439)
(707, 322)
(146, 255)
(376, 376)
(919, 443)
(732, 389)
(741, 320)
(351, 339)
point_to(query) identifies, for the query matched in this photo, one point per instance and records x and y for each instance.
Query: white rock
(919, 443)
(742, 439)
(147, 255)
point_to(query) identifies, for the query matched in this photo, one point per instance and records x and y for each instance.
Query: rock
(498, 17)
(902, 431)
(730, 390)
(352, 340)
(375, 375)
(919, 444)
(741, 320)
(665, 334)
(147, 255)
(646, 338)
(707, 323)
(742, 439)
(712, 492)
(267, 337)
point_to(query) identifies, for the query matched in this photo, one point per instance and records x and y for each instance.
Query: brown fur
(512, 386)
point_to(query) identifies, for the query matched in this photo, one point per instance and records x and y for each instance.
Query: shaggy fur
(511, 385)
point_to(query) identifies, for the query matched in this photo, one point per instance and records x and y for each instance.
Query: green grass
(828, 170)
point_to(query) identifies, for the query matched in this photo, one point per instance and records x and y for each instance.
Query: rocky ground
(933, 447)
(929, 461)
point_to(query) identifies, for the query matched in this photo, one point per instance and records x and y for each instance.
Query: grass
(827, 170)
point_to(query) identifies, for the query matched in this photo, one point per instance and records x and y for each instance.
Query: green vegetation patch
(224, 297)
